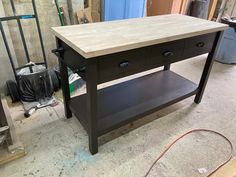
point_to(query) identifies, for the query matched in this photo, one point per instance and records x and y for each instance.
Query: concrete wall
(5, 67)
(48, 18)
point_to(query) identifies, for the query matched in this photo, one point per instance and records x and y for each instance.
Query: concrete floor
(59, 147)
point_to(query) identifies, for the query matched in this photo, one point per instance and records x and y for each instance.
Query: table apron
(122, 64)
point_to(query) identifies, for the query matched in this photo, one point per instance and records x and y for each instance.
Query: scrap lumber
(84, 16)
(15, 149)
(14, 152)
(212, 10)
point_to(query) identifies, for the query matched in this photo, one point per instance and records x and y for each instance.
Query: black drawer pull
(124, 64)
(168, 54)
(58, 51)
(200, 44)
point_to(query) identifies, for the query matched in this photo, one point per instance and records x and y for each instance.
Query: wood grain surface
(212, 10)
(97, 39)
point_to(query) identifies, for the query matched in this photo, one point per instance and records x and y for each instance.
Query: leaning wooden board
(92, 40)
(15, 149)
(213, 8)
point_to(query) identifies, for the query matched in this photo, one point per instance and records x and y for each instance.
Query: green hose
(60, 13)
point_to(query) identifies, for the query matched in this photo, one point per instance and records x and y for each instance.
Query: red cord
(185, 134)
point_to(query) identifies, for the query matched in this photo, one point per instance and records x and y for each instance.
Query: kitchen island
(102, 52)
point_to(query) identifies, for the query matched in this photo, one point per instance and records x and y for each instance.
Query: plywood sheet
(91, 40)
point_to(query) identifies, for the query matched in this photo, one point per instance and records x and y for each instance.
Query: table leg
(91, 84)
(64, 83)
(167, 67)
(65, 88)
(207, 68)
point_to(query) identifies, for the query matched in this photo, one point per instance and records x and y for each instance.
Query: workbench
(102, 52)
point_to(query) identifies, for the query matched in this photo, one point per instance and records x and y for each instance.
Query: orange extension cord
(182, 136)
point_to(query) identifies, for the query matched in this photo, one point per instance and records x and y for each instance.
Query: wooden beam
(6, 120)
(10, 156)
(183, 6)
(15, 148)
(96, 10)
(212, 10)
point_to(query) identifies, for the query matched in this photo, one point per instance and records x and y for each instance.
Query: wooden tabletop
(97, 39)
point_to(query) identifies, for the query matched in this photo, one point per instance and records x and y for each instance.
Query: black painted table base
(100, 111)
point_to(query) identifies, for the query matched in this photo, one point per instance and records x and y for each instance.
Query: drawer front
(198, 45)
(122, 64)
(74, 60)
(166, 53)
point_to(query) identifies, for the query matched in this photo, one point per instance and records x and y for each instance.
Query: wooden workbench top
(96, 39)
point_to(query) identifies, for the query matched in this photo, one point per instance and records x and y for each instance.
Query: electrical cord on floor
(185, 134)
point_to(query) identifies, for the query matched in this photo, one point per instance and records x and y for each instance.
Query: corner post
(167, 67)
(208, 67)
(64, 82)
(91, 85)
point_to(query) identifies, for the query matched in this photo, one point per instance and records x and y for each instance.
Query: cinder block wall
(48, 18)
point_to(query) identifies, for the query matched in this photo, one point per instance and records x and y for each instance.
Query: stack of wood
(217, 9)
(213, 11)
(208, 9)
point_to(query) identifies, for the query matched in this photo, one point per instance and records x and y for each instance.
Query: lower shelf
(125, 102)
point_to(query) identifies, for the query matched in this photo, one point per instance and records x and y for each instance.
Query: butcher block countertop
(97, 39)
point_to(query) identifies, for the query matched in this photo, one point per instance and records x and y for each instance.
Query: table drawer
(122, 64)
(166, 53)
(199, 45)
